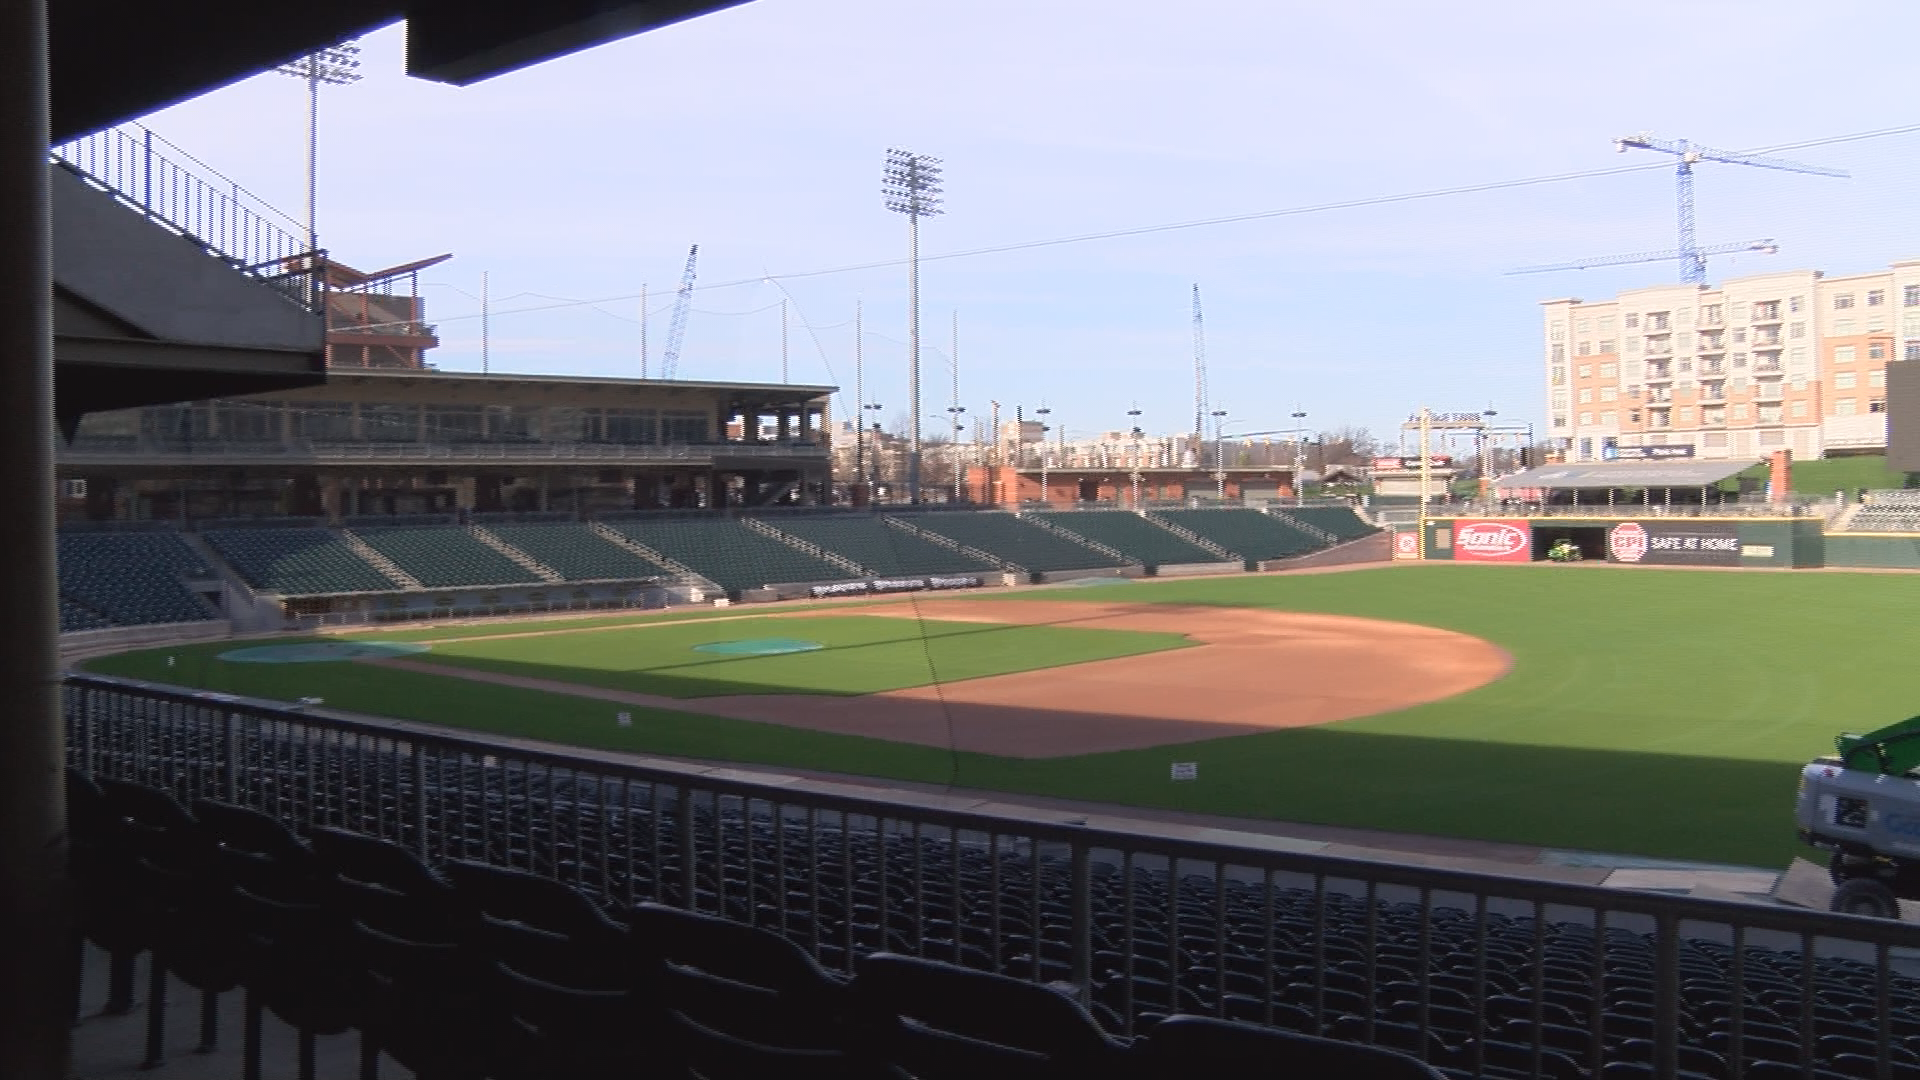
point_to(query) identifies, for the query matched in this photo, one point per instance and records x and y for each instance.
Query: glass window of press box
(340, 422)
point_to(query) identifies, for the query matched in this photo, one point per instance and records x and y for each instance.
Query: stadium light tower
(336, 66)
(910, 184)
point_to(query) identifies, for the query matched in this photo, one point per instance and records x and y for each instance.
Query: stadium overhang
(1627, 474)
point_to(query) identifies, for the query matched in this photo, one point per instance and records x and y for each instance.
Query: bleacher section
(1888, 519)
(297, 562)
(128, 579)
(1004, 536)
(1341, 521)
(881, 548)
(1474, 991)
(1134, 536)
(1249, 534)
(446, 557)
(576, 552)
(728, 553)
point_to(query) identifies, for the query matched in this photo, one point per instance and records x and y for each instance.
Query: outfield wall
(1648, 541)
(1899, 551)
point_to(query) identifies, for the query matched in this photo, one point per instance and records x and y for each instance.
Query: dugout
(1591, 540)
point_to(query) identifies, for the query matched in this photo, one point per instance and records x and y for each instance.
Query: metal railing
(88, 447)
(1483, 969)
(1655, 510)
(172, 188)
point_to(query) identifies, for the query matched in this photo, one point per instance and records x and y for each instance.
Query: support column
(39, 972)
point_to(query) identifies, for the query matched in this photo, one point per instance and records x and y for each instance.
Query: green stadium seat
(1132, 535)
(1004, 536)
(576, 552)
(881, 548)
(297, 562)
(446, 557)
(1250, 534)
(128, 579)
(729, 554)
(1341, 521)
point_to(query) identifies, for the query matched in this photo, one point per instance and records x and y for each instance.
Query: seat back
(383, 885)
(539, 927)
(1202, 1046)
(745, 982)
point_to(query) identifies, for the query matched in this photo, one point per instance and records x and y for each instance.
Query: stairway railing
(183, 194)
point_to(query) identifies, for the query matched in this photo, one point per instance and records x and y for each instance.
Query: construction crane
(677, 328)
(1693, 267)
(1199, 371)
(1763, 247)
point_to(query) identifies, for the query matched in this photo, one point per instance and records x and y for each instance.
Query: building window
(1606, 323)
(1841, 301)
(1715, 439)
(1797, 356)
(1739, 384)
(1740, 311)
(1581, 326)
(1797, 330)
(1769, 414)
(1793, 303)
(1739, 336)
(1559, 376)
(1633, 392)
(1609, 371)
(1586, 371)
(1844, 354)
(1767, 311)
(1609, 419)
(1558, 332)
(1739, 412)
(1845, 380)
(1843, 407)
(1608, 393)
(1876, 406)
(1683, 317)
(1710, 315)
(1560, 421)
(1739, 359)
(1633, 416)
(1656, 320)
(1910, 295)
(1876, 324)
(1877, 379)
(1686, 414)
(1633, 344)
(1606, 348)
(1913, 350)
(1586, 396)
(1633, 319)
(1585, 348)
(1876, 297)
(1799, 382)
(1586, 419)
(1799, 408)
(1559, 353)
(1559, 399)
(1843, 327)
(1683, 342)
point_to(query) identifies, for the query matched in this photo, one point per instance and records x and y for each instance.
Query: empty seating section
(129, 578)
(1441, 982)
(576, 552)
(1249, 534)
(74, 616)
(1338, 520)
(728, 553)
(1132, 535)
(881, 548)
(1004, 536)
(446, 557)
(297, 562)
(1899, 519)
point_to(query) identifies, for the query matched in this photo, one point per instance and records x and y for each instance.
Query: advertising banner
(893, 585)
(1652, 453)
(1673, 544)
(1492, 541)
(1406, 544)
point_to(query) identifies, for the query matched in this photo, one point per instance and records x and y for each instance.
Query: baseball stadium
(376, 719)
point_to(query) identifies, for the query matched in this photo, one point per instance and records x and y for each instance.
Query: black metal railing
(1497, 975)
(173, 189)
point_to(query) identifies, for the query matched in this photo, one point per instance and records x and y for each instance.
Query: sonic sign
(1492, 541)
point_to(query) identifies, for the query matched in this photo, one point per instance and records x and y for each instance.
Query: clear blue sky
(759, 132)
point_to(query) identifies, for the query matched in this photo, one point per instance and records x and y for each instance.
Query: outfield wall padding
(1878, 551)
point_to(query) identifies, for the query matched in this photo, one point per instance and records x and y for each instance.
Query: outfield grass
(1656, 712)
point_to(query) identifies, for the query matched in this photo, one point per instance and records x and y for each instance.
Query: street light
(336, 66)
(910, 184)
(1043, 412)
(953, 448)
(873, 482)
(1219, 454)
(1486, 472)
(1133, 420)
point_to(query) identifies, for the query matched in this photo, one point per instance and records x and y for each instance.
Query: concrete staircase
(1115, 554)
(1190, 536)
(527, 562)
(380, 562)
(755, 524)
(688, 576)
(955, 545)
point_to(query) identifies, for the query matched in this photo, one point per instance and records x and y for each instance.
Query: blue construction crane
(677, 328)
(1693, 267)
(1693, 263)
(1762, 247)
